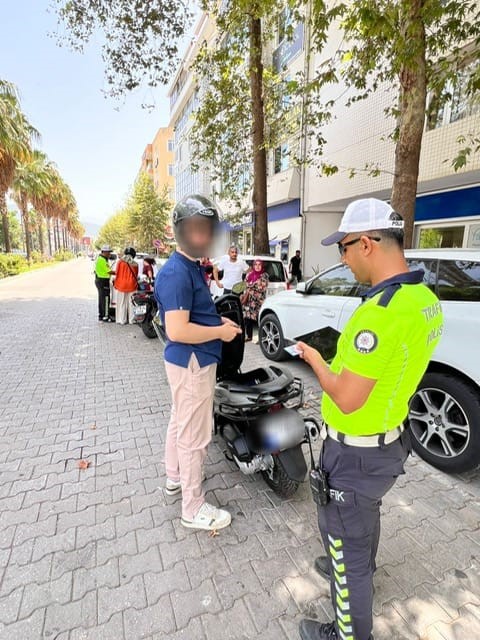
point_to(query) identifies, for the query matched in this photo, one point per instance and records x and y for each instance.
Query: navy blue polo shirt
(181, 286)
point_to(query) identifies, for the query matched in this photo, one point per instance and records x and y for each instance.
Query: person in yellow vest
(102, 282)
(382, 354)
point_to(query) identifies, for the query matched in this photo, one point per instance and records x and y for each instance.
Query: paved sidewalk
(99, 553)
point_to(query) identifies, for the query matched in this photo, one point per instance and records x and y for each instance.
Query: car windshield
(338, 281)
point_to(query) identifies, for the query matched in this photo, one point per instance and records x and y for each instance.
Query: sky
(96, 142)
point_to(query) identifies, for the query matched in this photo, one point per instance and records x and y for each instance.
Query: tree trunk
(412, 102)
(5, 225)
(259, 196)
(49, 237)
(56, 235)
(40, 235)
(26, 226)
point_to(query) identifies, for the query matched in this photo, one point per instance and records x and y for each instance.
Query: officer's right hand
(228, 332)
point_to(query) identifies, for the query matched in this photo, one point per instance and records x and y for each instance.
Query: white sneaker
(208, 518)
(172, 487)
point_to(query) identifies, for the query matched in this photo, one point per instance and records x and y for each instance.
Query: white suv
(445, 411)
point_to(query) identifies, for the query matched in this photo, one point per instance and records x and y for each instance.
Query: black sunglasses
(342, 246)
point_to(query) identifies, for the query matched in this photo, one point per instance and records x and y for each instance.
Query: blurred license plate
(140, 310)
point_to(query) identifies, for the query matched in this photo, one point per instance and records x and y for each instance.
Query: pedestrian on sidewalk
(126, 283)
(194, 344)
(233, 269)
(102, 282)
(254, 296)
(382, 355)
(295, 267)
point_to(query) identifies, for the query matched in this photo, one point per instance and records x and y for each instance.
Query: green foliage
(221, 135)
(148, 213)
(381, 47)
(62, 255)
(143, 219)
(140, 37)
(11, 264)
(115, 232)
(469, 146)
(15, 231)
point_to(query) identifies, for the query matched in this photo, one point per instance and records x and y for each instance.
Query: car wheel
(444, 419)
(270, 337)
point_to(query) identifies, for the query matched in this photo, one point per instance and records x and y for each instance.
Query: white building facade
(304, 206)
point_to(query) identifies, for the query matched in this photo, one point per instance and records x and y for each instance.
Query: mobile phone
(293, 350)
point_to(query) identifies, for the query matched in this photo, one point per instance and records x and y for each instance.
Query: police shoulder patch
(366, 341)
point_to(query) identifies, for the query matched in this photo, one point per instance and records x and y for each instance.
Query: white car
(445, 411)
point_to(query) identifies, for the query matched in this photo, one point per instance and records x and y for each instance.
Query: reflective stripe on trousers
(350, 526)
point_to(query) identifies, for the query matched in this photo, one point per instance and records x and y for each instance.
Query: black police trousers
(103, 287)
(358, 477)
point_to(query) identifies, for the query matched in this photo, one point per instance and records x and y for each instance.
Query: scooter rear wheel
(148, 330)
(278, 480)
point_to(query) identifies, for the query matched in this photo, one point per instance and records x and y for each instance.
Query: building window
(281, 158)
(441, 237)
(170, 146)
(454, 102)
(285, 20)
(171, 170)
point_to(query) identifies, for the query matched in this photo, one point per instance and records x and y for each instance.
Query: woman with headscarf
(254, 295)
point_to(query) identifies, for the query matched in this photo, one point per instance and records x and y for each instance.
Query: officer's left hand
(309, 354)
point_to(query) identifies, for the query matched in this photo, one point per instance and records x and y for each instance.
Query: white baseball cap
(368, 214)
(106, 247)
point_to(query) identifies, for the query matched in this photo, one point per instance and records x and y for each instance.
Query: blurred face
(352, 252)
(197, 237)
(258, 265)
(233, 253)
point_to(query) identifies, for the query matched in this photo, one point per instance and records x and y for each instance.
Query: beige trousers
(190, 429)
(124, 308)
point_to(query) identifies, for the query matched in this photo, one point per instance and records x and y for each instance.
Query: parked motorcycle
(256, 414)
(144, 310)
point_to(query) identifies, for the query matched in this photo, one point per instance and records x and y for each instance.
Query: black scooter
(145, 310)
(256, 413)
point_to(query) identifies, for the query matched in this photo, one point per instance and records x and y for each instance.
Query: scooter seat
(265, 385)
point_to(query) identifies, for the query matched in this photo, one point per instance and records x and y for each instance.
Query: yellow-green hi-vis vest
(390, 338)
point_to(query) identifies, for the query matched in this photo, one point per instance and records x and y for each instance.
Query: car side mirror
(302, 287)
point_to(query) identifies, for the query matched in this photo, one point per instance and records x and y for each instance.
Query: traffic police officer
(102, 282)
(381, 357)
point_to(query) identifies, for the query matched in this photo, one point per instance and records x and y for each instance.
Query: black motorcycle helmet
(190, 207)
(130, 251)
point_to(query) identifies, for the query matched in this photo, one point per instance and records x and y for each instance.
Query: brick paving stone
(36, 595)
(140, 624)
(233, 623)
(111, 630)
(101, 553)
(188, 605)
(158, 584)
(78, 613)
(22, 629)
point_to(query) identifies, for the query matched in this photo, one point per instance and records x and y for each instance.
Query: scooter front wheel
(278, 480)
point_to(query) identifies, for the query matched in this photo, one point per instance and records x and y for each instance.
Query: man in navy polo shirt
(195, 332)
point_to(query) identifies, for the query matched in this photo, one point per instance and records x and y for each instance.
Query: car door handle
(328, 314)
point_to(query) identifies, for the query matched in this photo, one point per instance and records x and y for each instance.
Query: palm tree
(30, 181)
(16, 135)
